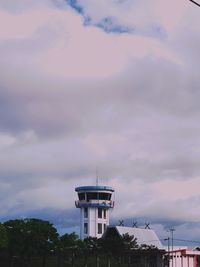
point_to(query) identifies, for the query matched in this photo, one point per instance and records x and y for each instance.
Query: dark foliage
(36, 243)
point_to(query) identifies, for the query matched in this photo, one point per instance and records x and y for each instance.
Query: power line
(185, 240)
(194, 2)
(182, 240)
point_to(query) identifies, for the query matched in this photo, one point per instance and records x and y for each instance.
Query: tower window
(99, 228)
(104, 196)
(95, 196)
(85, 212)
(104, 214)
(104, 227)
(99, 213)
(91, 196)
(85, 228)
(81, 196)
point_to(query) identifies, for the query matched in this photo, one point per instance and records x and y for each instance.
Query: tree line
(36, 243)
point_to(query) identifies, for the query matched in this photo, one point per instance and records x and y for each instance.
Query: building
(165, 257)
(183, 257)
(146, 237)
(94, 203)
(149, 250)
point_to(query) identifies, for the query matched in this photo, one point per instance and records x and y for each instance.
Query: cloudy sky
(112, 85)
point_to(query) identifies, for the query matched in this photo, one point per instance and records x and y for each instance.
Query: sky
(111, 85)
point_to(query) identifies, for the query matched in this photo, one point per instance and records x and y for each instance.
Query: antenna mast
(97, 177)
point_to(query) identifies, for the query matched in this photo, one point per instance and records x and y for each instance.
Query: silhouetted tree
(129, 241)
(68, 240)
(16, 239)
(3, 237)
(31, 237)
(68, 247)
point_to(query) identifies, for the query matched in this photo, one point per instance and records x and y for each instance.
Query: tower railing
(106, 204)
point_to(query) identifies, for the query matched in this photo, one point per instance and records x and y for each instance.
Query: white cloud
(73, 97)
(55, 42)
(100, 55)
(22, 6)
(161, 200)
(6, 140)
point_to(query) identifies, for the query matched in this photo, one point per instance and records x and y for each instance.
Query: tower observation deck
(94, 203)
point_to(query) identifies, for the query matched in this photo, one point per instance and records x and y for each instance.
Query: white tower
(94, 203)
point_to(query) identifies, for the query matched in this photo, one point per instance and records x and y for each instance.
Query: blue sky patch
(109, 24)
(74, 4)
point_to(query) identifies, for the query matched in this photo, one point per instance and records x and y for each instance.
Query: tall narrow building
(94, 203)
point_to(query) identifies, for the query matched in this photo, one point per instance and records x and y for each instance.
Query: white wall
(182, 261)
(92, 222)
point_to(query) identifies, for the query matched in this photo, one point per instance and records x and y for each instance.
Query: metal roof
(184, 250)
(94, 188)
(144, 236)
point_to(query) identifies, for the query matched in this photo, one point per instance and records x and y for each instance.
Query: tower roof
(94, 188)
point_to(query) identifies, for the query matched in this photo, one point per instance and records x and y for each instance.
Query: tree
(115, 243)
(91, 243)
(31, 237)
(69, 240)
(41, 238)
(15, 231)
(3, 237)
(129, 241)
(67, 246)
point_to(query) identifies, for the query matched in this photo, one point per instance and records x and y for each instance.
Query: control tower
(94, 203)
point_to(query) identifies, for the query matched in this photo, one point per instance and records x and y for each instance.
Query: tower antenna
(97, 177)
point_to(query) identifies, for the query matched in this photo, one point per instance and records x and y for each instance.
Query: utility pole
(172, 234)
(167, 239)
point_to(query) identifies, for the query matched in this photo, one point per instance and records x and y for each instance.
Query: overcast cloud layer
(112, 84)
